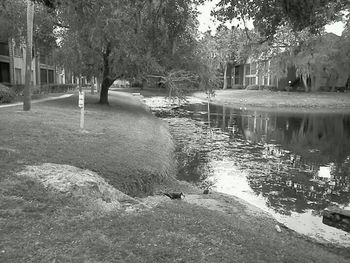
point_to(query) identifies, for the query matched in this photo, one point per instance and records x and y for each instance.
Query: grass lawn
(132, 150)
(321, 101)
(124, 143)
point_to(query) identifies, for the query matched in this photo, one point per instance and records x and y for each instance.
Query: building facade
(257, 73)
(13, 61)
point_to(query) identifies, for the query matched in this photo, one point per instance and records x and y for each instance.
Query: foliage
(44, 89)
(123, 39)
(6, 94)
(178, 82)
(269, 15)
(13, 19)
(13, 24)
(252, 87)
(217, 54)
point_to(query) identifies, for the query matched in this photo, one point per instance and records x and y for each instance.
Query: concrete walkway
(36, 101)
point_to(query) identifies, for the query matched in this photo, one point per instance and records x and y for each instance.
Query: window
(247, 69)
(266, 80)
(43, 76)
(237, 76)
(4, 49)
(18, 51)
(50, 60)
(250, 81)
(51, 76)
(4, 72)
(253, 69)
(42, 58)
(18, 76)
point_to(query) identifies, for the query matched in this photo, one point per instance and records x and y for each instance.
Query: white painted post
(81, 105)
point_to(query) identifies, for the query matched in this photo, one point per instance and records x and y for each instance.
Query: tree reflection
(305, 146)
(297, 162)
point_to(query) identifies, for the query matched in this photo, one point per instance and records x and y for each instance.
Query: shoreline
(292, 102)
(158, 104)
(122, 143)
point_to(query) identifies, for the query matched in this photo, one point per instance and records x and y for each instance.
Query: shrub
(6, 94)
(56, 88)
(252, 87)
(270, 87)
(237, 86)
(18, 89)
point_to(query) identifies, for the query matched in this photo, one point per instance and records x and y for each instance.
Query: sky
(207, 22)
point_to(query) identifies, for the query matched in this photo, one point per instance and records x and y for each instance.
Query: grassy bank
(321, 101)
(123, 142)
(128, 147)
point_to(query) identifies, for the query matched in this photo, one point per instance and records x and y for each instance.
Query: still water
(290, 165)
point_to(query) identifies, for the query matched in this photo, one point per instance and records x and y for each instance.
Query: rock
(278, 229)
(337, 217)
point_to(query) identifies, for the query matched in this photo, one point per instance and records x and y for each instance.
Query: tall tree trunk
(306, 86)
(28, 73)
(227, 76)
(107, 81)
(104, 92)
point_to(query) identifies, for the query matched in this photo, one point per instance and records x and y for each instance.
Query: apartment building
(13, 61)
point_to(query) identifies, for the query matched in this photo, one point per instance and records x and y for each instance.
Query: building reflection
(296, 161)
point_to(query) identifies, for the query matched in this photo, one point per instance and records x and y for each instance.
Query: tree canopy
(268, 15)
(127, 39)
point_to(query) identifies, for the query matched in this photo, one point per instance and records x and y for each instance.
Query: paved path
(36, 101)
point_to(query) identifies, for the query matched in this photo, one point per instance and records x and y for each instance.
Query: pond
(292, 165)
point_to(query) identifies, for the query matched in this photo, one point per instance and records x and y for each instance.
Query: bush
(252, 87)
(18, 89)
(55, 88)
(270, 87)
(6, 94)
(237, 86)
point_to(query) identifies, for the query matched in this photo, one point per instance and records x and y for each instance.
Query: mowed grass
(126, 145)
(123, 142)
(171, 232)
(319, 101)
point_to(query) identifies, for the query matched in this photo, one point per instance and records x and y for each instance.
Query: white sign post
(81, 106)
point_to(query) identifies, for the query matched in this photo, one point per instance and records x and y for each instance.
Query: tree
(315, 57)
(28, 73)
(123, 39)
(269, 15)
(289, 35)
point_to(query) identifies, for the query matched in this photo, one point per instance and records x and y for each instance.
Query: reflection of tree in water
(192, 166)
(281, 153)
(319, 141)
(192, 150)
(295, 147)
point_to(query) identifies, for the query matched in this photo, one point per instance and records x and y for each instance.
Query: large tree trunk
(28, 73)
(107, 81)
(227, 76)
(306, 84)
(314, 83)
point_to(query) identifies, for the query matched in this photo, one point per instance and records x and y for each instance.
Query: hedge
(6, 94)
(237, 86)
(252, 87)
(44, 89)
